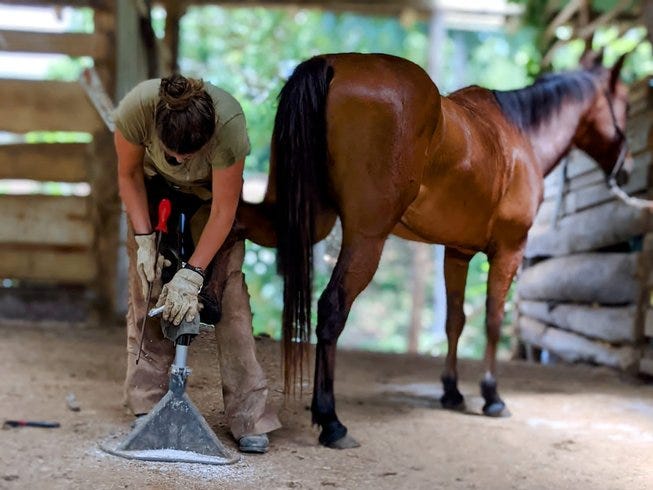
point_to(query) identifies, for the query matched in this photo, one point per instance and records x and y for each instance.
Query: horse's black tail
(299, 147)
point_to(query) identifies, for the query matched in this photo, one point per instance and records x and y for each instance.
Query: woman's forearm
(213, 236)
(134, 197)
(131, 184)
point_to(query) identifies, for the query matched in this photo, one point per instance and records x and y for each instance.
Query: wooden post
(420, 270)
(437, 36)
(174, 12)
(105, 204)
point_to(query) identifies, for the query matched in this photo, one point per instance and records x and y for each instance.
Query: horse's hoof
(346, 442)
(494, 405)
(332, 433)
(453, 401)
(495, 409)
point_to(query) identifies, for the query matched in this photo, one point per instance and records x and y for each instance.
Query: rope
(635, 202)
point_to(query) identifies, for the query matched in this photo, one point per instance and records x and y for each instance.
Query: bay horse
(368, 138)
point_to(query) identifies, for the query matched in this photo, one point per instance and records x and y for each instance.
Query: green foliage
(639, 64)
(58, 137)
(250, 51)
(68, 69)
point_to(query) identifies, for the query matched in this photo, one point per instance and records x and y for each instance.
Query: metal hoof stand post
(174, 431)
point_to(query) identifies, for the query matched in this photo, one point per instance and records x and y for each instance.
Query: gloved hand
(145, 255)
(179, 296)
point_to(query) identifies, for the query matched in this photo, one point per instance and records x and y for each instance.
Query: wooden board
(592, 175)
(46, 220)
(646, 362)
(604, 278)
(639, 132)
(600, 226)
(31, 105)
(640, 97)
(648, 322)
(591, 195)
(612, 324)
(68, 43)
(100, 4)
(48, 265)
(56, 162)
(571, 347)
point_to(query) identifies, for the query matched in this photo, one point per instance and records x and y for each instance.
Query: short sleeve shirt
(134, 117)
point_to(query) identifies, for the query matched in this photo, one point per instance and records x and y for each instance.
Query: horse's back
(482, 174)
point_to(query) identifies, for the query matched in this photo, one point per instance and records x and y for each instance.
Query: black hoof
(494, 405)
(346, 442)
(332, 433)
(494, 409)
(452, 399)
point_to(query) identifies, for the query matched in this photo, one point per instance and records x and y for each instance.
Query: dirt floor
(571, 427)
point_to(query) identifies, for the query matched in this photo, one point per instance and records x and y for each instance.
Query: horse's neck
(552, 138)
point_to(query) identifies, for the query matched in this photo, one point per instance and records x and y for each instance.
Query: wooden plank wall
(585, 293)
(52, 240)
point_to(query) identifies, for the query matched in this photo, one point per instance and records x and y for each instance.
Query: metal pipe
(181, 353)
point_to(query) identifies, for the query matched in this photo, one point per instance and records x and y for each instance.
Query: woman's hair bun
(185, 115)
(177, 91)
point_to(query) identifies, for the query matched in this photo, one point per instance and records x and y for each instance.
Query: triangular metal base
(174, 431)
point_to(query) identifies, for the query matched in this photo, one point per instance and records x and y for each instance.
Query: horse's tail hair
(299, 146)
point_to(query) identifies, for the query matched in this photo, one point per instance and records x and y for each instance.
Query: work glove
(147, 272)
(179, 296)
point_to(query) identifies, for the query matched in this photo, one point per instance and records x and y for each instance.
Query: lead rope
(561, 194)
(617, 191)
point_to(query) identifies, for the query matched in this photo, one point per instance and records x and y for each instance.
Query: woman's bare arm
(131, 184)
(226, 187)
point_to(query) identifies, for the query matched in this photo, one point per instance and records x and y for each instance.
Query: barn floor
(571, 427)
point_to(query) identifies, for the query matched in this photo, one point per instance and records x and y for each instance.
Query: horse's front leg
(503, 266)
(456, 265)
(356, 265)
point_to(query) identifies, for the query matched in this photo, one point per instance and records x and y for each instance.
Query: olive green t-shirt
(134, 117)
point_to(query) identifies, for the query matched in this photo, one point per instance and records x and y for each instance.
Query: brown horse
(369, 139)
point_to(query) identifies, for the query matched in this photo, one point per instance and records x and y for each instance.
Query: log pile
(585, 290)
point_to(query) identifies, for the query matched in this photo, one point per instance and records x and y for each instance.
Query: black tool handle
(31, 423)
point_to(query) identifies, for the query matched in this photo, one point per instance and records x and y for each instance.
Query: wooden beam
(61, 221)
(648, 323)
(578, 198)
(56, 162)
(603, 278)
(95, 4)
(48, 265)
(387, 7)
(612, 324)
(69, 43)
(32, 105)
(571, 347)
(563, 16)
(601, 226)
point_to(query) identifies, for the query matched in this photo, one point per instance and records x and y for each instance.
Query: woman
(186, 140)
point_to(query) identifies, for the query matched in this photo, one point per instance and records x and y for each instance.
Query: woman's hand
(179, 296)
(148, 266)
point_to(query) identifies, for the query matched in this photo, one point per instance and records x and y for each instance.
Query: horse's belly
(463, 227)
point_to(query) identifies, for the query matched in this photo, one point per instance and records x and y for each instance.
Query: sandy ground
(571, 426)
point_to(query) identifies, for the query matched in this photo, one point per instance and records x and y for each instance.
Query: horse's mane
(528, 107)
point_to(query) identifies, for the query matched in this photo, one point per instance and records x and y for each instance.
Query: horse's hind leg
(456, 265)
(503, 265)
(356, 265)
